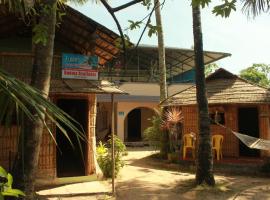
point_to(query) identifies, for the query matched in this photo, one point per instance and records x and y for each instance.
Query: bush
(6, 181)
(104, 156)
(153, 133)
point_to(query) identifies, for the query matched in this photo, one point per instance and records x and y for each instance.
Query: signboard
(78, 66)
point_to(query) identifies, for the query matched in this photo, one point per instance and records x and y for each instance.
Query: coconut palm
(255, 7)
(204, 173)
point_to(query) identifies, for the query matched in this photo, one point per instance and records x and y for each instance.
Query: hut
(77, 34)
(238, 104)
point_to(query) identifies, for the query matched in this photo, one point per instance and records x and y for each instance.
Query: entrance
(68, 159)
(134, 125)
(248, 123)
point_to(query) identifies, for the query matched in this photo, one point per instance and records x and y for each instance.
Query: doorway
(134, 125)
(248, 123)
(69, 160)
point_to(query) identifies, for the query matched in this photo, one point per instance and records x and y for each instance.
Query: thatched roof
(77, 31)
(223, 87)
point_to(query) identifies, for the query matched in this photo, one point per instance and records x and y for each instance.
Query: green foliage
(104, 156)
(224, 10)
(203, 3)
(40, 34)
(210, 68)
(257, 73)
(6, 185)
(134, 24)
(152, 30)
(153, 133)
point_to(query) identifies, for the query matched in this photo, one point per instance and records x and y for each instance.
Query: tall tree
(204, 172)
(27, 165)
(257, 73)
(165, 144)
(161, 53)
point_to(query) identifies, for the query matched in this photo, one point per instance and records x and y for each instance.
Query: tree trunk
(204, 173)
(41, 74)
(161, 53)
(165, 144)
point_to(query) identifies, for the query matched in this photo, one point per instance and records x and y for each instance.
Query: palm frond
(255, 7)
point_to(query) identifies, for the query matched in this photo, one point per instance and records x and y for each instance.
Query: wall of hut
(47, 157)
(231, 142)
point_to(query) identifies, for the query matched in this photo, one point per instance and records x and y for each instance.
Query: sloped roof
(76, 86)
(82, 34)
(178, 60)
(223, 87)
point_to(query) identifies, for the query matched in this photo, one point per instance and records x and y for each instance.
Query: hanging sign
(78, 66)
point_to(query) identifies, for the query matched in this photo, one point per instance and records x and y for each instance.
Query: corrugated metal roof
(223, 87)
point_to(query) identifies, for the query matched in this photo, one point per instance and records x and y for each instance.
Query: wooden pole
(112, 137)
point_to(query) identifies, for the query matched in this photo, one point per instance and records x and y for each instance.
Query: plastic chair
(189, 143)
(217, 141)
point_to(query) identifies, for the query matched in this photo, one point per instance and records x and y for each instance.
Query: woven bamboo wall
(8, 150)
(230, 145)
(8, 146)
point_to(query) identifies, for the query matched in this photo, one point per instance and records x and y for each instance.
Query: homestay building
(140, 79)
(236, 104)
(81, 47)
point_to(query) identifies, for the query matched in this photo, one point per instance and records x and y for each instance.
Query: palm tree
(162, 73)
(41, 74)
(204, 172)
(161, 53)
(255, 7)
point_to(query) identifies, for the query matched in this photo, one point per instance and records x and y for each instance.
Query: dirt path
(144, 178)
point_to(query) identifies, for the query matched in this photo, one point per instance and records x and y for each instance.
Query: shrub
(6, 181)
(153, 133)
(104, 156)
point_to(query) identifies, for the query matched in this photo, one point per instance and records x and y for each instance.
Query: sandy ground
(143, 178)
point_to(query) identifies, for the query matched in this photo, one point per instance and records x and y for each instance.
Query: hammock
(249, 141)
(253, 142)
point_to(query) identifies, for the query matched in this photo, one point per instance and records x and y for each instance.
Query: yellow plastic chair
(189, 143)
(217, 141)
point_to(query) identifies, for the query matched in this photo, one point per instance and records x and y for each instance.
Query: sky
(247, 39)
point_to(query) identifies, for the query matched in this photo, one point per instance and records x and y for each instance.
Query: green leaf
(3, 172)
(1, 196)
(224, 10)
(13, 192)
(10, 180)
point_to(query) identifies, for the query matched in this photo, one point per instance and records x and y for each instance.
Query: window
(217, 117)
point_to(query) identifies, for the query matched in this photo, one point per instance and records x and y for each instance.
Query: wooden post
(112, 138)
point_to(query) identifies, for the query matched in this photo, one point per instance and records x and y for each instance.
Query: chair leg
(218, 154)
(184, 153)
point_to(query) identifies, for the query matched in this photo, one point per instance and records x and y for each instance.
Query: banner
(78, 66)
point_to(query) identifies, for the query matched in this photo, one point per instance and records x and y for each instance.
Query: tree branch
(126, 5)
(110, 10)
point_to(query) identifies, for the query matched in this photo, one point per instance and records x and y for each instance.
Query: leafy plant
(104, 156)
(153, 133)
(6, 181)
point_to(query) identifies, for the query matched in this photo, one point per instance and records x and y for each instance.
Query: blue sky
(247, 39)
